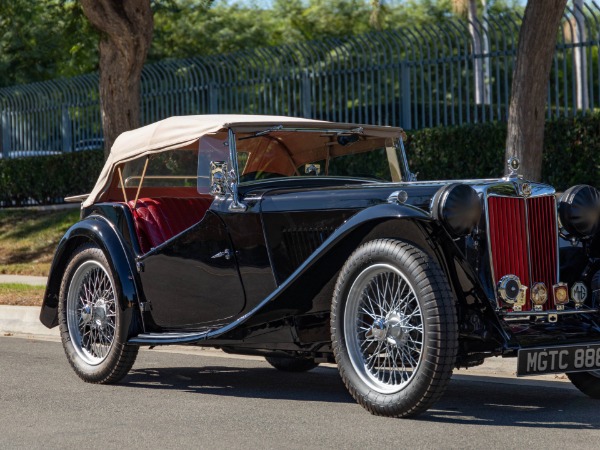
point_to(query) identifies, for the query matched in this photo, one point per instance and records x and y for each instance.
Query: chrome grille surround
(522, 235)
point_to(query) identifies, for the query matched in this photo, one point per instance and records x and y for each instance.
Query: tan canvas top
(181, 131)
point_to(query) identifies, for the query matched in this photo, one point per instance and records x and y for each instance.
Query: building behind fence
(414, 78)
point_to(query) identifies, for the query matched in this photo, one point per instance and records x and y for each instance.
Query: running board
(169, 338)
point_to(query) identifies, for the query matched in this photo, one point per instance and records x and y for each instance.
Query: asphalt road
(198, 400)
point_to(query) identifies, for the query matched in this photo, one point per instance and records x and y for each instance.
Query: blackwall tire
(291, 364)
(393, 328)
(587, 382)
(89, 319)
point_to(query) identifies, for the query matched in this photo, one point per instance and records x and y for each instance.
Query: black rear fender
(97, 230)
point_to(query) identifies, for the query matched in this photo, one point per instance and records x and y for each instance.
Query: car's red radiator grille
(516, 225)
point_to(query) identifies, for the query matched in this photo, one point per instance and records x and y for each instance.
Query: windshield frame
(395, 153)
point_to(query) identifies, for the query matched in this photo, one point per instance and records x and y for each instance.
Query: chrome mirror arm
(232, 176)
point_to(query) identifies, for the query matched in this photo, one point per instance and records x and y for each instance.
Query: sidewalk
(23, 279)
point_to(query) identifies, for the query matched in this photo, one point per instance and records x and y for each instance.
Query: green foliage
(40, 40)
(46, 39)
(48, 179)
(571, 151)
(469, 151)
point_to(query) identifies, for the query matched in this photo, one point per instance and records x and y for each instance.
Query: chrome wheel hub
(393, 329)
(397, 329)
(383, 328)
(378, 330)
(100, 314)
(91, 312)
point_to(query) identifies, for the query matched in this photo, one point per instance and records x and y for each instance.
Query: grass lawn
(28, 239)
(21, 294)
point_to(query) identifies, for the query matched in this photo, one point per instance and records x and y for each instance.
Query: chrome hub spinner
(397, 328)
(393, 329)
(99, 316)
(377, 331)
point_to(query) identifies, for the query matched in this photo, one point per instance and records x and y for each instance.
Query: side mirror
(218, 177)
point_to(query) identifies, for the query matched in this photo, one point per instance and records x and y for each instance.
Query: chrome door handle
(224, 254)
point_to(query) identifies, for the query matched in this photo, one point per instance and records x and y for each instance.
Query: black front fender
(309, 289)
(98, 230)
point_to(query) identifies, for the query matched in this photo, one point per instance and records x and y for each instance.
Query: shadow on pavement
(513, 405)
(465, 401)
(321, 384)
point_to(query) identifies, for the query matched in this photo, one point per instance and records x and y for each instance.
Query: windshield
(304, 153)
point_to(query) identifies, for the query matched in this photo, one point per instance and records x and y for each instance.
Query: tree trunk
(126, 34)
(527, 112)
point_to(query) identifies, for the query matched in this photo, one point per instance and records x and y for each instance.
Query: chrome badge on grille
(539, 295)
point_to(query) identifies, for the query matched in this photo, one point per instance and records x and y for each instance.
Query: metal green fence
(415, 78)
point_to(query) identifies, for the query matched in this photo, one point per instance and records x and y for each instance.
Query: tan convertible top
(182, 131)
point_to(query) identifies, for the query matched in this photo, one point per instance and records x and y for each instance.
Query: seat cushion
(159, 219)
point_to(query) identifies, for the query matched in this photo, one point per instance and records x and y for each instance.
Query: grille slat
(523, 241)
(542, 229)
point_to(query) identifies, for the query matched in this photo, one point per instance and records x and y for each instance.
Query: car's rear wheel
(393, 328)
(587, 382)
(90, 319)
(291, 364)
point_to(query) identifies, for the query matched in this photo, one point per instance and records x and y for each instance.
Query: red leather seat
(159, 219)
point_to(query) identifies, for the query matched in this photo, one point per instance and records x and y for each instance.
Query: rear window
(175, 168)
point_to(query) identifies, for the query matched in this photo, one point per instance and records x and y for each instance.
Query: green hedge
(571, 151)
(571, 156)
(48, 179)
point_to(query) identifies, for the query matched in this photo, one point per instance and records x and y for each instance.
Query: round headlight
(458, 207)
(579, 210)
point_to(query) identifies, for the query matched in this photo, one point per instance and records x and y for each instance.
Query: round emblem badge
(579, 293)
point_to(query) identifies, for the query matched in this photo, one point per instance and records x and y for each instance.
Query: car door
(192, 280)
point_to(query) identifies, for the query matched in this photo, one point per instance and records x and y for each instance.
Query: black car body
(276, 236)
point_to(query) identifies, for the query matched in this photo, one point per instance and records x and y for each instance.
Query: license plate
(574, 358)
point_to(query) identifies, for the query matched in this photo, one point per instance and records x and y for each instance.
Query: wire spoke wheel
(91, 312)
(393, 328)
(383, 327)
(91, 318)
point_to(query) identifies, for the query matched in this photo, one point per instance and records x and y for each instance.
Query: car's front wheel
(587, 382)
(90, 319)
(393, 328)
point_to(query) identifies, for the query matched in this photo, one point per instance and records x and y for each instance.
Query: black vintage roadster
(307, 242)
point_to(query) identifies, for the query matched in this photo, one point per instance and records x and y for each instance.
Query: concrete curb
(23, 320)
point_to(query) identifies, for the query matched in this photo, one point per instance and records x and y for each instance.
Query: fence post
(5, 135)
(213, 99)
(66, 131)
(405, 100)
(305, 94)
